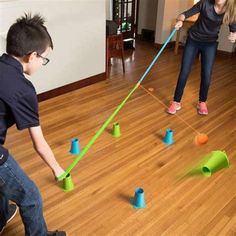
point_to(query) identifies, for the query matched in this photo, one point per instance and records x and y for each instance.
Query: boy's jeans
(16, 186)
(208, 53)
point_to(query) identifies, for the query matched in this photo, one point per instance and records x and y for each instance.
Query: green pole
(106, 123)
(94, 138)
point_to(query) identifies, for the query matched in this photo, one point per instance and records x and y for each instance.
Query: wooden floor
(106, 178)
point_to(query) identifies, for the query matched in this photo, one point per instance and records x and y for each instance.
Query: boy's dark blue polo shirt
(18, 100)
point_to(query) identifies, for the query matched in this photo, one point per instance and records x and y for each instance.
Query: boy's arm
(43, 149)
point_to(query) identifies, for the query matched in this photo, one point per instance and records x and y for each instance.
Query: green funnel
(68, 183)
(116, 130)
(217, 160)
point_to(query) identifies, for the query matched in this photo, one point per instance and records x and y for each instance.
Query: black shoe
(56, 233)
(11, 213)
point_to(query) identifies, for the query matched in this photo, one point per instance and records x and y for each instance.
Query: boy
(28, 44)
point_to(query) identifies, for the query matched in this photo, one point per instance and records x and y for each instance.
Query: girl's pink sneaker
(202, 108)
(175, 106)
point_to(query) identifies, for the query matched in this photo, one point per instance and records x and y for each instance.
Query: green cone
(116, 130)
(68, 184)
(217, 161)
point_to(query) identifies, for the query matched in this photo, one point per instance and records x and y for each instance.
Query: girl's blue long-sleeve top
(207, 26)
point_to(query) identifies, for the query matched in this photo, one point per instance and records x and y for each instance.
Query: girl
(202, 38)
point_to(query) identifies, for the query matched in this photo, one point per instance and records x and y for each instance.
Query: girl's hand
(178, 24)
(232, 37)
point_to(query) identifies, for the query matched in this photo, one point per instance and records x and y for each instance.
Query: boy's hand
(232, 37)
(178, 24)
(58, 171)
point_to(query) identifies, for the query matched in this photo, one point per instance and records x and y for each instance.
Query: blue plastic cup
(75, 147)
(169, 137)
(138, 201)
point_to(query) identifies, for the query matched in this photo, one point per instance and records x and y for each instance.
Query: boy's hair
(28, 35)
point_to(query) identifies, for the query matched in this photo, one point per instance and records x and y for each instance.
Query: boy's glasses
(45, 60)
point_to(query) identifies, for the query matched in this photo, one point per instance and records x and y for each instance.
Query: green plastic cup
(68, 183)
(217, 160)
(116, 130)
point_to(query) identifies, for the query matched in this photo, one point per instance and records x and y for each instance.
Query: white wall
(167, 11)
(147, 15)
(77, 28)
(108, 9)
